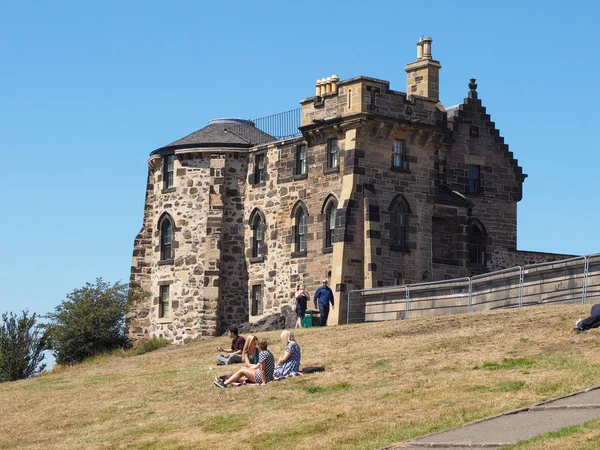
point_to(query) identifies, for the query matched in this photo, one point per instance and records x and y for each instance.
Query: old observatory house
(372, 187)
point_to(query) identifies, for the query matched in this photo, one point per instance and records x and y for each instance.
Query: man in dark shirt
(323, 297)
(237, 345)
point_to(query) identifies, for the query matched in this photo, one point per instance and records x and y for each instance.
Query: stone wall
(282, 269)
(203, 216)
(477, 142)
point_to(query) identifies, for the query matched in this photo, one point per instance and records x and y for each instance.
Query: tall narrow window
(477, 235)
(474, 180)
(399, 213)
(166, 239)
(330, 214)
(256, 305)
(169, 170)
(399, 156)
(332, 153)
(259, 169)
(301, 230)
(349, 98)
(258, 229)
(301, 157)
(164, 302)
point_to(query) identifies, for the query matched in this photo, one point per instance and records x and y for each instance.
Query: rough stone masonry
(379, 187)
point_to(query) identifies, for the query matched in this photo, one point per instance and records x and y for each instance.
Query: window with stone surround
(399, 160)
(259, 168)
(399, 214)
(474, 184)
(299, 229)
(301, 160)
(258, 235)
(169, 171)
(164, 302)
(330, 213)
(166, 238)
(332, 153)
(256, 300)
(477, 237)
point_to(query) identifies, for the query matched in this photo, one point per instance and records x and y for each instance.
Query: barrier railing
(570, 280)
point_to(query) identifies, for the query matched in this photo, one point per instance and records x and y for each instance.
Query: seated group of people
(260, 367)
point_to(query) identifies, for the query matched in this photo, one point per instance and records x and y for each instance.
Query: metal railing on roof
(270, 128)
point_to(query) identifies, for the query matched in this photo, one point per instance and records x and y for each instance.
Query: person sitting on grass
(593, 321)
(237, 345)
(290, 361)
(260, 373)
(250, 352)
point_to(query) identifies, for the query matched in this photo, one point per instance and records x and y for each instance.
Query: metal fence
(281, 126)
(268, 129)
(574, 280)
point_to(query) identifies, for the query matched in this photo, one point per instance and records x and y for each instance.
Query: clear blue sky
(89, 90)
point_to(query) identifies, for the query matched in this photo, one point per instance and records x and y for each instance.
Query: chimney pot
(427, 47)
(334, 82)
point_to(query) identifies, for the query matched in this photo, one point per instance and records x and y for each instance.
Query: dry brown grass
(384, 382)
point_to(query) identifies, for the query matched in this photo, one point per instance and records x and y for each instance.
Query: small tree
(91, 321)
(22, 344)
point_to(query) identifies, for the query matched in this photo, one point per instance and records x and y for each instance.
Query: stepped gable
(229, 133)
(472, 113)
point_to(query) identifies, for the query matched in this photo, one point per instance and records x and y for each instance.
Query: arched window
(259, 227)
(477, 237)
(399, 214)
(301, 229)
(166, 238)
(300, 215)
(329, 215)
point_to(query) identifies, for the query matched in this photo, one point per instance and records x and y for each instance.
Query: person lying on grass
(290, 361)
(593, 321)
(260, 373)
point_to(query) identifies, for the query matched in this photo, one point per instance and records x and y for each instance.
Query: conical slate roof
(234, 133)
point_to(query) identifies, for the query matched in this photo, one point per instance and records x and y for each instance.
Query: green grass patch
(314, 389)
(341, 387)
(285, 438)
(509, 363)
(226, 423)
(502, 386)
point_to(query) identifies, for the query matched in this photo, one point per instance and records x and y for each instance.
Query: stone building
(377, 187)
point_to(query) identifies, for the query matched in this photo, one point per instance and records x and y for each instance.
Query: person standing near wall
(301, 301)
(323, 297)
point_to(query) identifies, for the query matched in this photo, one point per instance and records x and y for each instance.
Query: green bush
(91, 321)
(151, 345)
(21, 347)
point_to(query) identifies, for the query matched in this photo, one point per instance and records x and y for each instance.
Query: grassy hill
(384, 382)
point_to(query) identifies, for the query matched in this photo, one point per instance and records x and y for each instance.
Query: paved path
(504, 429)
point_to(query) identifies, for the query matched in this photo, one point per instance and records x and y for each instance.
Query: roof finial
(473, 88)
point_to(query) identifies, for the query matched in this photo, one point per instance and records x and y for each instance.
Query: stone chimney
(423, 75)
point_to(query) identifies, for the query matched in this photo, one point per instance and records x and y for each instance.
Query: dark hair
(262, 344)
(234, 330)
